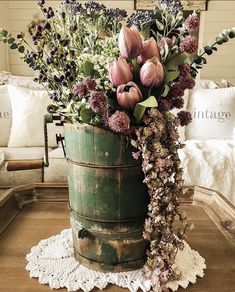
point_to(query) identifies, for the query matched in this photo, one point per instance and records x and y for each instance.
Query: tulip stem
(135, 69)
(149, 92)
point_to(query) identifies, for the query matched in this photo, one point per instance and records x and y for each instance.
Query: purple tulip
(130, 42)
(128, 95)
(120, 72)
(152, 73)
(150, 50)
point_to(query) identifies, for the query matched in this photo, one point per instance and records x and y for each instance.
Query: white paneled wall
(219, 16)
(17, 14)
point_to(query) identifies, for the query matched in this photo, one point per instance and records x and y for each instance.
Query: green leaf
(177, 60)
(21, 49)
(13, 46)
(170, 76)
(141, 107)
(86, 115)
(165, 91)
(88, 68)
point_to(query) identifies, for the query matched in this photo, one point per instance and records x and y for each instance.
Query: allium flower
(119, 122)
(80, 90)
(192, 23)
(189, 44)
(184, 117)
(89, 83)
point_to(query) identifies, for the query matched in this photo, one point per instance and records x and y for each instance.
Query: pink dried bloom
(164, 105)
(189, 44)
(176, 90)
(89, 83)
(80, 90)
(178, 102)
(119, 122)
(192, 23)
(187, 82)
(184, 70)
(184, 117)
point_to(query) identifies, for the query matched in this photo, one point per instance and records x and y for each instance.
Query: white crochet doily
(52, 262)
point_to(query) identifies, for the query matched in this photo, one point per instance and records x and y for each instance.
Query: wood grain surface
(42, 220)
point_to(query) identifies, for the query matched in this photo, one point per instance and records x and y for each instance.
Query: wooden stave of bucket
(108, 200)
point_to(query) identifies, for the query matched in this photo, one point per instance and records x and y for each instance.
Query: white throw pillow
(5, 115)
(213, 113)
(206, 84)
(24, 81)
(28, 110)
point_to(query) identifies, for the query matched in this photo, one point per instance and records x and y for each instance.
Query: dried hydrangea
(184, 117)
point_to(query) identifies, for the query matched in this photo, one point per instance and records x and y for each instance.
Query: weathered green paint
(107, 198)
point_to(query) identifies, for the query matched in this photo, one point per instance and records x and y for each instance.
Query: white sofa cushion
(24, 81)
(213, 113)
(22, 153)
(28, 109)
(5, 115)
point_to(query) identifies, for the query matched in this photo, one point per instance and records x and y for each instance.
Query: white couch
(206, 162)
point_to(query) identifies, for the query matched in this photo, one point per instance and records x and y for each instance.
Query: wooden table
(31, 213)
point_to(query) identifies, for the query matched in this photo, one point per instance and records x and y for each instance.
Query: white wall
(4, 22)
(219, 16)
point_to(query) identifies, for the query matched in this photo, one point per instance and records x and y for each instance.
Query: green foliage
(142, 106)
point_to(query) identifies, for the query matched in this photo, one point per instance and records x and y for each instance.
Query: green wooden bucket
(108, 199)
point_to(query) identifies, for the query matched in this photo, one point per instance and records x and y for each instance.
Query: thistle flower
(192, 23)
(80, 90)
(184, 117)
(119, 122)
(189, 44)
(98, 102)
(89, 83)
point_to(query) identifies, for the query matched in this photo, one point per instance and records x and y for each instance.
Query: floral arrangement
(127, 78)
